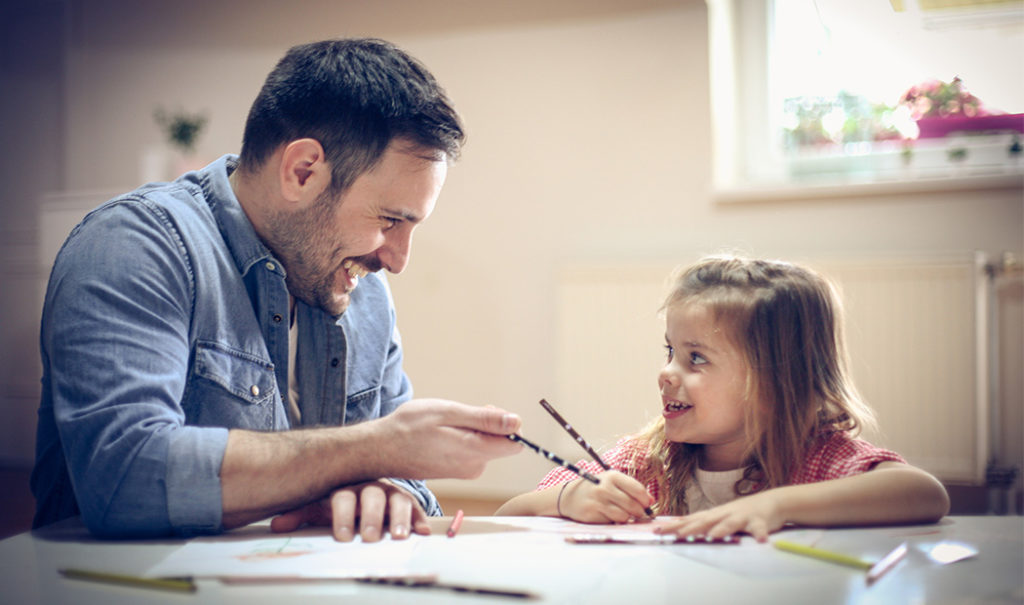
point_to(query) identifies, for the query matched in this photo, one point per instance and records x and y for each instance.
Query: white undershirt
(710, 489)
(292, 403)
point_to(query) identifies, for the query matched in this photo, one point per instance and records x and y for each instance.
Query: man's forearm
(266, 473)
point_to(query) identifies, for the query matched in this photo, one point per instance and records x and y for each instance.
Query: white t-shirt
(292, 401)
(710, 489)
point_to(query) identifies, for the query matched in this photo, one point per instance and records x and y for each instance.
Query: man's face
(328, 246)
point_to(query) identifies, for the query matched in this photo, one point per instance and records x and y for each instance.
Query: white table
(532, 554)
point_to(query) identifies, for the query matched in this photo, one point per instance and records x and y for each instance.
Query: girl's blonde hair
(786, 321)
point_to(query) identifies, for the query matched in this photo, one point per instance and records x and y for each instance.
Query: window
(811, 93)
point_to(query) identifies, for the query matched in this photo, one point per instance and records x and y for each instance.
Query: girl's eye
(697, 359)
(669, 352)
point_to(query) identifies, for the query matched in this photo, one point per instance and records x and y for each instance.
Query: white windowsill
(838, 189)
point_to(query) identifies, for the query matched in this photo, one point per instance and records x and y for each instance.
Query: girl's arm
(537, 503)
(617, 499)
(890, 493)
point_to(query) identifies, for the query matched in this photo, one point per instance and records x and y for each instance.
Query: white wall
(589, 140)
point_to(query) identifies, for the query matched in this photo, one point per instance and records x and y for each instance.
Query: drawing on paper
(275, 549)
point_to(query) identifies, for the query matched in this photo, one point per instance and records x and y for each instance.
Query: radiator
(918, 353)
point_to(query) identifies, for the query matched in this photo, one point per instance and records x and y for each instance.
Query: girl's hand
(619, 498)
(757, 515)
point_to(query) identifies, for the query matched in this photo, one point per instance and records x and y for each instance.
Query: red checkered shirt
(833, 456)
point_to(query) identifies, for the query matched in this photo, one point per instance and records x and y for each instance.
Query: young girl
(758, 424)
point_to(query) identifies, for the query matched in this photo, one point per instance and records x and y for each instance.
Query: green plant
(844, 118)
(182, 129)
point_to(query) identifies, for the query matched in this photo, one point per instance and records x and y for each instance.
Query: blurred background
(609, 141)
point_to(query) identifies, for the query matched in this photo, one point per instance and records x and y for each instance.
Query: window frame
(748, 163)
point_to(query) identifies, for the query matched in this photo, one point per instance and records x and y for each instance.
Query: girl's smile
(672, 408)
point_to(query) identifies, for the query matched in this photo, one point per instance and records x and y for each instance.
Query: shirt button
(255, 390)
(277, 318)
(335, 362)
(271, 266)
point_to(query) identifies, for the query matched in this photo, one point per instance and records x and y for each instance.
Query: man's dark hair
(354, 96)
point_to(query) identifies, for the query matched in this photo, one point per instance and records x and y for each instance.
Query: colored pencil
(456, 523)
(175, 584)
(554, 458)
(580, 440)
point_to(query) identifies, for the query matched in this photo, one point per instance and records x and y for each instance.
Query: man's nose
(394, 255)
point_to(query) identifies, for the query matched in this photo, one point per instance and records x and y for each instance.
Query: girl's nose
(667, 376)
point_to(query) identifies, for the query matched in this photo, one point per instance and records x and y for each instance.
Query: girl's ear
(304, 172)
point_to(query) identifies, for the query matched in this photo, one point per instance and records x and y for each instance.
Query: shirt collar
(245, 246)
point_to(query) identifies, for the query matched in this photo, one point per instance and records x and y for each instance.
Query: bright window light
(819, 88)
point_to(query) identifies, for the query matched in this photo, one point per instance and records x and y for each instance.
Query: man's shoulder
(155, 205)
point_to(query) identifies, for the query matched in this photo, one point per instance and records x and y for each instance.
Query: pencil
(583, 442)
(554, 458)
(823, 555)
(572, 432)
(456, 523)
(175, 584)
(886, 563)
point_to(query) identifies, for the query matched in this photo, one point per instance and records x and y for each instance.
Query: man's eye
(697, 359)
(390, 221)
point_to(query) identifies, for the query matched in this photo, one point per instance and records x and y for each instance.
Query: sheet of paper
(310, 553)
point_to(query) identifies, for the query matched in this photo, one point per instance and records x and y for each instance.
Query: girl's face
(703, 387)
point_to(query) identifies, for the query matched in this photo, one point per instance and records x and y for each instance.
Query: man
(187, 325)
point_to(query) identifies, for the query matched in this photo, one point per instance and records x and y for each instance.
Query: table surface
(532, 554)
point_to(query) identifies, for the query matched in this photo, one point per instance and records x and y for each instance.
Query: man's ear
(304, 171)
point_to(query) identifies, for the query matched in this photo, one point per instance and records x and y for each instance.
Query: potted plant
(941, 108)
(182, 131)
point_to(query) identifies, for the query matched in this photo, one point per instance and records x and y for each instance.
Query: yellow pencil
(176, 584)
(824, 555)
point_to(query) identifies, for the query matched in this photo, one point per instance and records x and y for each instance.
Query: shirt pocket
(231, 388)
(364, 405)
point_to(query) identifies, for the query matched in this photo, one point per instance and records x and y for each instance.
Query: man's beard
(311, 258)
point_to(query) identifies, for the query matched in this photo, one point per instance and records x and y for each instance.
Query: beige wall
(589, 140)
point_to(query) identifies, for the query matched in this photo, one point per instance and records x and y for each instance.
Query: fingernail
(344, 534)
(401, 532)
(509, 422)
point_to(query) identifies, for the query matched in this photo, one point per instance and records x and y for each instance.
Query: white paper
(255, 552)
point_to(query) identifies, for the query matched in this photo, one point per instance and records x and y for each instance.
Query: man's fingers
(309, 514)
(483, 419)
(343, 512)
(289, 521)
(400, 507)
(372, 501)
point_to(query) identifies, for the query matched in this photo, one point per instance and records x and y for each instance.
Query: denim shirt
(165, 324)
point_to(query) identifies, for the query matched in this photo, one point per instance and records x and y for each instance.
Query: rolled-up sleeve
(115, 334)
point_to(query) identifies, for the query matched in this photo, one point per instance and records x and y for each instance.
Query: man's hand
(436, 438)
(365, 507)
